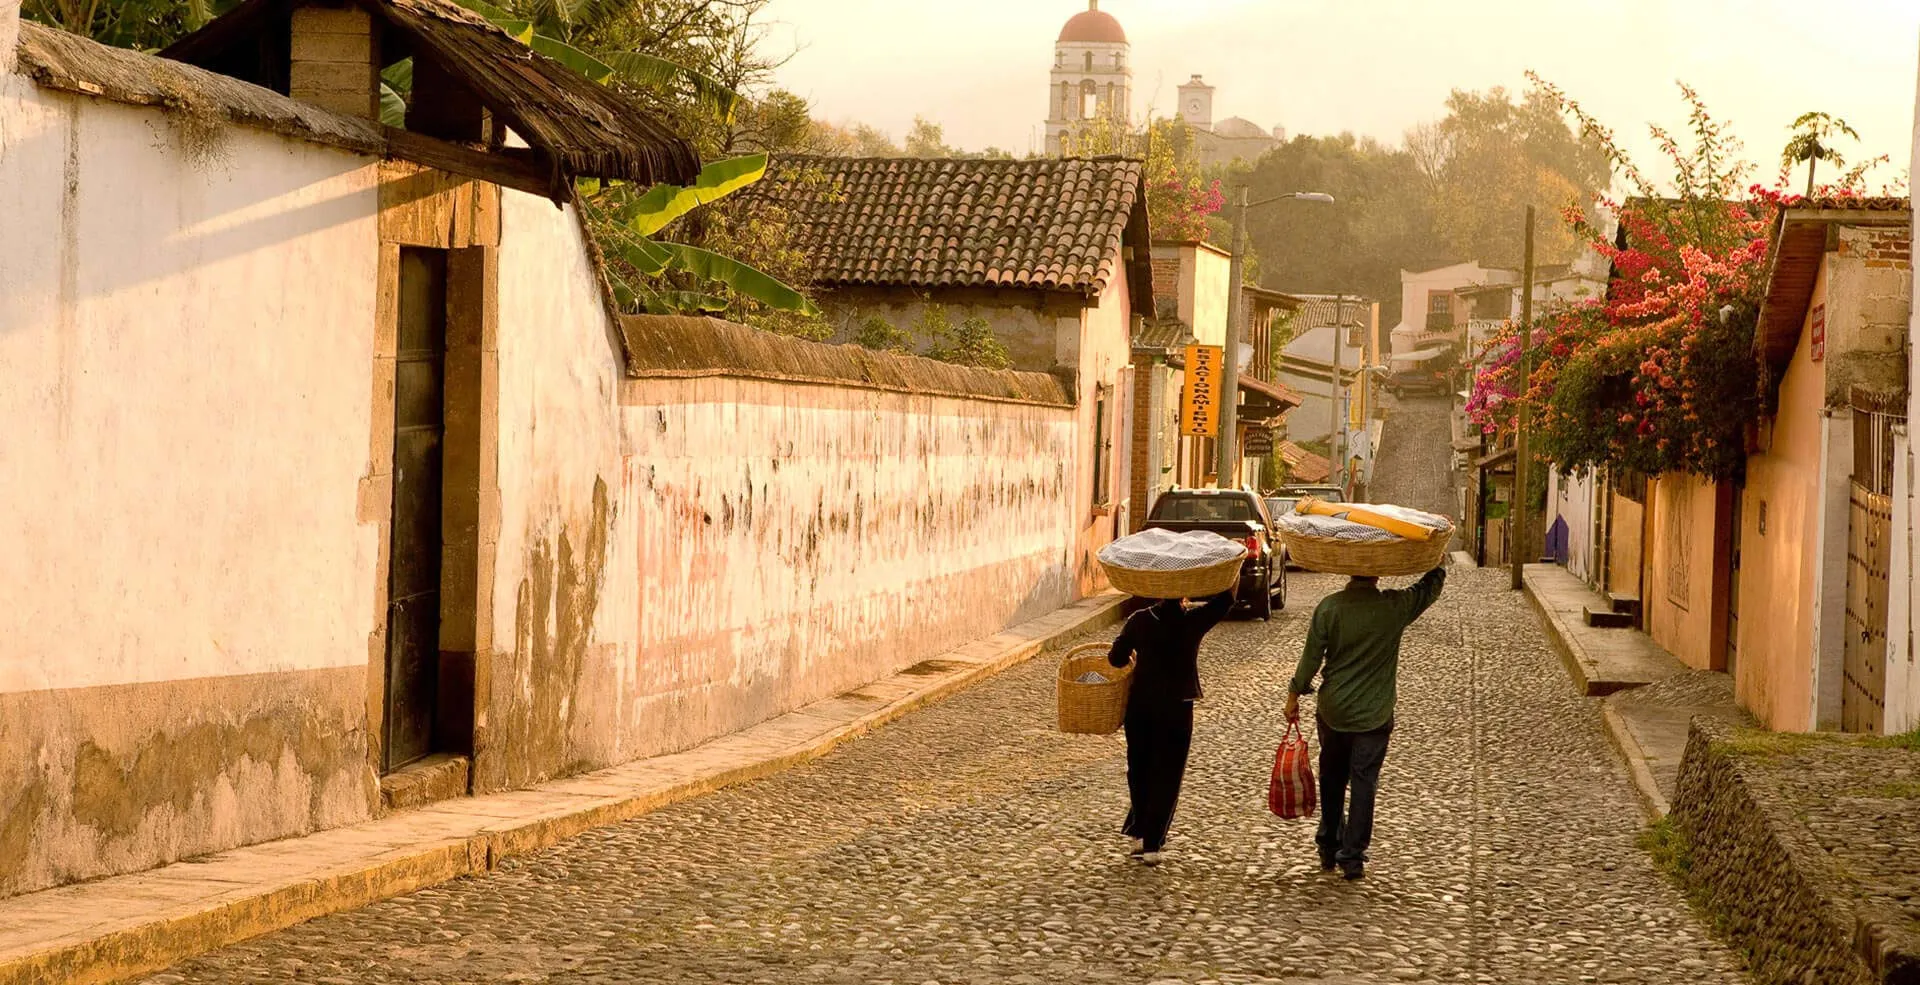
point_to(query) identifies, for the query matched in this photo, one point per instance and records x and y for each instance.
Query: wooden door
(413, 581)
(1863, 691)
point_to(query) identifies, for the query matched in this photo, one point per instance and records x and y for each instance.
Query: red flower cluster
(1659, 375)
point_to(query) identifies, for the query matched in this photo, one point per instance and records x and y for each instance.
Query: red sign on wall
(1819, 332)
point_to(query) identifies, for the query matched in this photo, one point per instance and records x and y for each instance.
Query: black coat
(1165, 642)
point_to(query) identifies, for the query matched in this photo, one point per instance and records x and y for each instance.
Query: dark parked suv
(1236, 515)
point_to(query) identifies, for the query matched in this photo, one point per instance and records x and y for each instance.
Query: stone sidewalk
(111, 929)
(1649, 697)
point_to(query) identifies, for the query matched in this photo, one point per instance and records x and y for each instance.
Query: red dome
(1095, 26)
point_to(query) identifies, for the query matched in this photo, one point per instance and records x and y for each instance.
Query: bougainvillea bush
(1660, 374)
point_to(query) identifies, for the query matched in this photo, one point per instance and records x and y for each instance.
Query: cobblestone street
(971, 842)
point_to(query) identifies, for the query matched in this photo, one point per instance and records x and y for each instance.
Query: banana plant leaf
(652, 70)
(661, 204)
(740, 278)
(573, 58)
(395, 83)
(634, 66)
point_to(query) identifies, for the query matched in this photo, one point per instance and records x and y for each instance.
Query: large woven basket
(1192, 583)
(1384, 558)
(1092, 709)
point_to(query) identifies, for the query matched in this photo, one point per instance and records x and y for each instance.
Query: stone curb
(1651, 799)
(1561, 637)
(1632, 756)
(100, 947)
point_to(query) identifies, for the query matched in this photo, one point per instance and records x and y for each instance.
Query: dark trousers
(1158, 738)
(1349, 759)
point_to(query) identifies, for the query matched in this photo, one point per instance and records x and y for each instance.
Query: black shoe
(1353, 870)
(1326, 862)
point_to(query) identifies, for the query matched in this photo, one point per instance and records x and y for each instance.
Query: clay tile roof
(1162, 335)
(1056, 224)
(1303, 465)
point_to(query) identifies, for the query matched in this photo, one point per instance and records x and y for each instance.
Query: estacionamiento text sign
(1200, 398)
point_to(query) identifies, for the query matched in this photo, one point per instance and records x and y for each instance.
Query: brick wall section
(1166, 278)
(1890, 248)
(1140, 441)
(333, 64)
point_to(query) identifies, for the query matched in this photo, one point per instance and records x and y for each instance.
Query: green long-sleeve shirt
(1356, 634)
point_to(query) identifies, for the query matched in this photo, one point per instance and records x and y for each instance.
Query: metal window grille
(1873, 449)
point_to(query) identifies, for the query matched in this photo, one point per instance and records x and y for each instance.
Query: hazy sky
(1375, 67)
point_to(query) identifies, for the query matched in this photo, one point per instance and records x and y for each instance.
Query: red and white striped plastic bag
(1291, 793)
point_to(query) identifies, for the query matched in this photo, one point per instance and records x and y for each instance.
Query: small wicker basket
(1092, 709)
(1192, 583)
(1381, 558)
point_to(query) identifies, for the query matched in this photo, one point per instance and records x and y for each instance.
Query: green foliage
(147, 25)
(971, 343)
(1814, 135)
(1454, 190)
(654, 275)
(928, 139)
(1670, 849)
(875, 332)
(650, 212)
(1909, 741)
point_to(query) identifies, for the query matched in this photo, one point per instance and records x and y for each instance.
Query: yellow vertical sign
(1200, 398)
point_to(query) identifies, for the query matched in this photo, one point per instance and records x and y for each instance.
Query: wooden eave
(574, 126)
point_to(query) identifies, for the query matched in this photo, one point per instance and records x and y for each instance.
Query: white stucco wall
(1903, 589)
(1414, 287)
(187, 414)
(844, 534)
(563, 595)
(189, 589)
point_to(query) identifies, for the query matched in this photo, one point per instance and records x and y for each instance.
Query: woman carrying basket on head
(1164, 641)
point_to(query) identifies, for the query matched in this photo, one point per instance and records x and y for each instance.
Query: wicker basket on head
(1092, 709)
(1192, 583)
(1382, 558)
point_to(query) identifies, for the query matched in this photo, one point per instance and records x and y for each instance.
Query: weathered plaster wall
(1903, 589)
(1101, 350)
(1869, 287)
(843, 534)
(189, 595)
(9, 35)
(552, 687)
(1773, 675)
(680, 557)
(1625, 531)
(1028, 323)
(1683, 573)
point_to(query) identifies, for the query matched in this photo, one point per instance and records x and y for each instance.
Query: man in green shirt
(1356, 635)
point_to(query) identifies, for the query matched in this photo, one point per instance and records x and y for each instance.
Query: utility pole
(1229, 441)
(1518, 540)
(1338, 440)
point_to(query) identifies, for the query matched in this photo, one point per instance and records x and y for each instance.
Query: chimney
(9, 34)
(334, 63)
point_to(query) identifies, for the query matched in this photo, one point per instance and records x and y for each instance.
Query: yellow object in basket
(1309, 506)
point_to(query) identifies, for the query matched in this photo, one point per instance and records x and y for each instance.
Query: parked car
(1325, 494)
(1416, 382)
(1279, 506)
(1236, 515)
